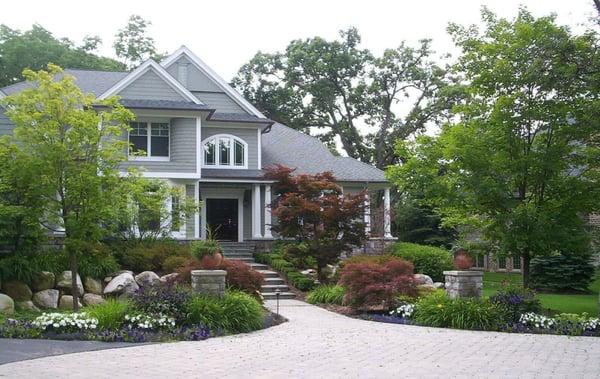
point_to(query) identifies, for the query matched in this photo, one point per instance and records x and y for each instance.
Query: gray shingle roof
(231, 174)
(289, 147)
(163, 104)
(96, 82)
(240, 117)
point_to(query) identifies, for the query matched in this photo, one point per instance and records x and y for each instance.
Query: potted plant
(208, 252)
(462, 260)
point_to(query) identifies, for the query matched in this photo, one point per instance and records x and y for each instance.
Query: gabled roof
(149, 65)
(203, 67)
(289, 147)
(2, 94)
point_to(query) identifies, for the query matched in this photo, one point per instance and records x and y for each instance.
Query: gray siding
(6, 126)
(220, 101)
(190, 224)
(249, 135)
(196, 80)
(150, 86)
(182, 149)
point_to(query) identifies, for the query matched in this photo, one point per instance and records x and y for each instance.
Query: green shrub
(202, 248)
(236, 312)
(328, 294)
(17, 267)
(152, 256)
(174, 262)
(111, 314)
(515, 300)
(277, 262)
(562, 272)
(428, 260)
(440, 311)
(96, 261)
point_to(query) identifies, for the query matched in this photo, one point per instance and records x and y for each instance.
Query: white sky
(226, 33)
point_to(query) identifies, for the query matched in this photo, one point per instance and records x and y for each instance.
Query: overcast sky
(226, 34)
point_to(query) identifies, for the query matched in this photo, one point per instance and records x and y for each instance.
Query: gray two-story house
(196, 132)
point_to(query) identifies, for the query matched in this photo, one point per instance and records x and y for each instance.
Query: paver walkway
(320, 344)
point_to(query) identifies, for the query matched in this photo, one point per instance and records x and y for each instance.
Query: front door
(222, 218)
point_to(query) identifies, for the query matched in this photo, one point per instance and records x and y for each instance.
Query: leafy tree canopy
(35, 48)
(133, 44)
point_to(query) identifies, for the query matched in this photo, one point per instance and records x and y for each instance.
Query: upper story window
(149, 140)
(225, 151)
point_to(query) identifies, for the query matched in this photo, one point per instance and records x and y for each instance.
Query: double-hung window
(149, 140)
(225, 151)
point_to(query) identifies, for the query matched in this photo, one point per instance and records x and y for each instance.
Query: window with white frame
(225, 151)
(149, 140)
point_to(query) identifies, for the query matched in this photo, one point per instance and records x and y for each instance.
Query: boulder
(439, 285)
(26, 306)
(92, 285)
(147, 278)
(426, 286)
(63, 282)
(18, 291)
(107, 280)
(7, 305)
(422, 279)
(93, 299)
(169, 278)
(46, 299)
(121, 284)
(43, 281)
(66, 302)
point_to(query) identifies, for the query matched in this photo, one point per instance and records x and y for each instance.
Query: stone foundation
(462, 284)
(209, 282)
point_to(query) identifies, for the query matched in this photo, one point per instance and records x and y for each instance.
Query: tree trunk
(525, 269)
(74, 287)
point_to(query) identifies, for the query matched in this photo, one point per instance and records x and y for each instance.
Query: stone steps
(282, 295)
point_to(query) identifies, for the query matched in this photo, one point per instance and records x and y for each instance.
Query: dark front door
(222, 218)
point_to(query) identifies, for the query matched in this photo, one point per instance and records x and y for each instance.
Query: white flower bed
(150, 322)
(78, 321)
(543, 322)
(405, 310)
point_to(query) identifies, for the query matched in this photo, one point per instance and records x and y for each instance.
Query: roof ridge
(361, 162)
(92, 70)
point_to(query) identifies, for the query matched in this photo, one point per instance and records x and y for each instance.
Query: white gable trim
(141, 70)
(203, 67)
(2, 94)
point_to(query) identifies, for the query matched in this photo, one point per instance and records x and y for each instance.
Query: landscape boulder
(92, 285)
(63, 282)
(93, 299)
(422, 279)
(147, 278)
(7, 305)
(66, 302)
(47, 299)
(17, 290)
(439, 285)
(169, 278)
(43, 281)
(122, 284)
(26, 306)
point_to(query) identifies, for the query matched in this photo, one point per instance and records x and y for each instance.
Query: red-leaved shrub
(375, 284)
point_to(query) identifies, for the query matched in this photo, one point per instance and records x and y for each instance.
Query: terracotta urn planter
(212, 261)
(462, 260)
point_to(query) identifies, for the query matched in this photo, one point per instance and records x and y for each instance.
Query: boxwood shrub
(428, 260)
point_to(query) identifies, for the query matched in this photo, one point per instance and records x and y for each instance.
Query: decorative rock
(309, 271)
(93, 299)
(209, 282)
(122, 272)
(461, 284)
(426, 286)
(438, 285)
(18, 291)
(63, 282)
(123, 283)
(46, 299)
(92, 285)
(147, 278)
(43, 281)
(27, 306)
(66, 302)
(7, 305)
(107, 279)
(423, 279)
(169, 278)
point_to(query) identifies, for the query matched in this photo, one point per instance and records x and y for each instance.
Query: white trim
(267, 211)
(2, 94)
(199, 155)
(149, 157)
(181, 233)
(387, 222)
(259, 142)
(142, 69)
(203, 67)
(256, 227)
(165, 175)
(231, 152)
(197, 214)
(367, 218)
(238, 194)
(248, 181)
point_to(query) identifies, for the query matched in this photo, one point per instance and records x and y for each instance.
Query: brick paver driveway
(317, 343)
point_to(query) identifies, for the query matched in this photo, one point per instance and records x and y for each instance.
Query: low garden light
(277, 294)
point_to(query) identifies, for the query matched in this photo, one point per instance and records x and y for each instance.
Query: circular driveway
(320, 344)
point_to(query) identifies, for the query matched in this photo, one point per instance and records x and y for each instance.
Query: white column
(197, 231)
(367, 218)
(256, 227)
(268, 211)
(387, 223)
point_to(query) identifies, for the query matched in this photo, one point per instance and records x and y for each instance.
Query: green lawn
(566, 303)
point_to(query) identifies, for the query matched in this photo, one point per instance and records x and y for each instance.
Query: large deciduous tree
(37, 47)
(133, 44)
(522, 161)
(74, 148)
(313, 210)
(347, 94)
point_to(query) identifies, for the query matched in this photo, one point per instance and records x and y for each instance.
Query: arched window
(225, 151)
